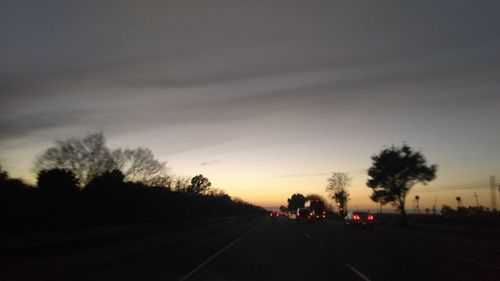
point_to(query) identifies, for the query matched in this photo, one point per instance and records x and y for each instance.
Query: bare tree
(89, 157)
(338, 185)
(164, 181)
(181, 184)
(140, 165)
(86, 157)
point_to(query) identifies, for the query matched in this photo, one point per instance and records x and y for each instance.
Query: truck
(318, 209)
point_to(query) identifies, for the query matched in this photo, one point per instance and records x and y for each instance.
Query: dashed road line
(192, 272)
(307, 236)
(322, 247)
(475, 262)
(361, 275)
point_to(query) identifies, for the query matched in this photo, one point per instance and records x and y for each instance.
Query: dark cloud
(205, 74)
(293, 95)
(209, 163)
(22, 126)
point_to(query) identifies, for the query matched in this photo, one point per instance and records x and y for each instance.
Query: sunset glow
(264, 100)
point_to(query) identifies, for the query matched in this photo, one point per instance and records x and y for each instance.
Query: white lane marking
(357, 272)
(476, 262)
(187, 276)
(308, 236)
(322, 247)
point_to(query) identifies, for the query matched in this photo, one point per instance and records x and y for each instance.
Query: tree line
(83, 183)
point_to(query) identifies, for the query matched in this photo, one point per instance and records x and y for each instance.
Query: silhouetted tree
(58, 189)
(199, 185)
(283, 208)
(89, 157)
(140, 165)
(162, 181)
(9, 185)
(107, 199)
(181, 184)
(459, 201)
(18, 204)
(216, 192)
(110, 200)
(394, 172)
(338, 184)
(3, 175)
(107, 181)
(86, 158)
(296, 201)
(57, 182)
(447, 211)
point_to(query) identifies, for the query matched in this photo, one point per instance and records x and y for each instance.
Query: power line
(470, 187)
(463, 186)
(466, 184)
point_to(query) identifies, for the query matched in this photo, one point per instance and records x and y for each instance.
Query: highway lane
(264, 249)
(283, 250)
(274, 250)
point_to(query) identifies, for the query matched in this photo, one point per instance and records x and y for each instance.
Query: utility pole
(498, 190)
(493, 193)
(417, 198)
(434, 211)
(477, 201)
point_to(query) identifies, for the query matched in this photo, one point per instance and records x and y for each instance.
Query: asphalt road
(263, 249)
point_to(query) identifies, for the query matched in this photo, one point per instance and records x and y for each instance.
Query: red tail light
(370, 217)
(356, 217)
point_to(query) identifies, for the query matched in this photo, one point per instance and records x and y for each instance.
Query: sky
(265, 98)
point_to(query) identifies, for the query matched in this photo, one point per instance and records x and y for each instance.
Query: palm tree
(459, 202)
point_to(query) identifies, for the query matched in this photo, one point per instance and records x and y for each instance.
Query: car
(304, 215)
(362, 219)
(319, 216)
(273, 214)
